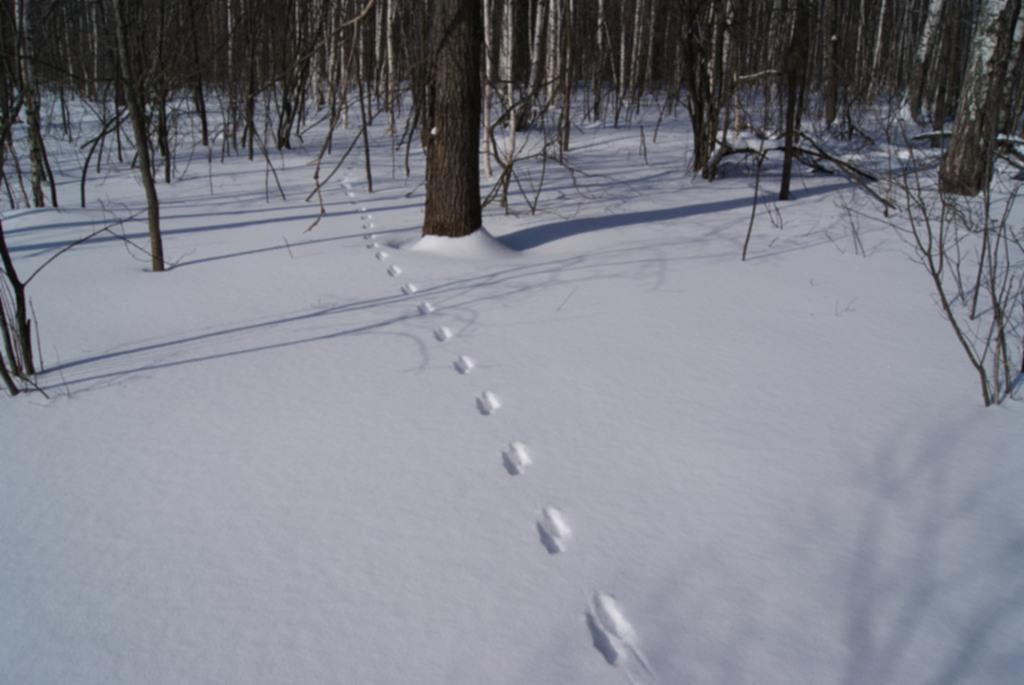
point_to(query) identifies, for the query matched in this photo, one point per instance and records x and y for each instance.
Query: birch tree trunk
(552, 52)
(488, 76)
(922, 56)
(508, 74)
(876, 60)
(635, 86)
(967, 166)
(392, 76)
(30, 95)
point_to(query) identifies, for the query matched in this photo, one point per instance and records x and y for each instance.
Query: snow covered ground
(590, 446)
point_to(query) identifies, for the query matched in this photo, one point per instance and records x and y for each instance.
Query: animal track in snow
(372, 245)
(410, 288)
(441, 334)
(516, 458)
(613, 634)
(425, 308)
(488, 403)
(553, 529)
(381, 256)
(464, 364)
(394, 270)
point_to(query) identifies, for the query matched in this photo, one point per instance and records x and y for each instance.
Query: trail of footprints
(612, 634)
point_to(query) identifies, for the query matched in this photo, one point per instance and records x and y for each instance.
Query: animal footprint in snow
(613, 634)
(441, 334)
(381, 256)
(516, 458)
(553, 529)
(464, 364)
(488, 403)
(394, 270)
(425, 308)
(410, 288)
(372, 245)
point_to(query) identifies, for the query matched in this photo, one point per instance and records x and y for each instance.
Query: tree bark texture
(967, 166)
(453, 168)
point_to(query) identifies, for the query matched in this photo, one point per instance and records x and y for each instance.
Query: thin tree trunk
(830, 68)
(598, 77)
(135, 95)
(488, 76)
(922, 56)
(796, 58)
(20, 352)
(30, 94)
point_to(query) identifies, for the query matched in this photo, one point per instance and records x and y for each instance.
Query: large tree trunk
(968, 162)
(453, 167)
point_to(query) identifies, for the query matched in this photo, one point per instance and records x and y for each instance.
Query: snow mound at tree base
(478, 244)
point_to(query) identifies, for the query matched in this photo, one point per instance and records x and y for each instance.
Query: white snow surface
(479, 244)
(261, 467)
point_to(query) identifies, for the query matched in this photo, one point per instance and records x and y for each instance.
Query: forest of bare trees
(242, 77)
(272, 67)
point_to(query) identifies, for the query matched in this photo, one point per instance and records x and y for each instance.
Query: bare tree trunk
(796, 64)
(635, 85)
(509, 74)
(392, 76)
(197, 76)
(967, 166)
(1014, 87)
(536, 46)
(923, 55)
(19, 350)
(566, 72)
(488, 76)
(598, 82)
(135, 93)
(453, 165)
(621, 86)
(552, 52)
(831, 77)
(876, 60)
(30, 94)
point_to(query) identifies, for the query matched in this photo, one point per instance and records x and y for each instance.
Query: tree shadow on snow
(921, 576)
(542, 234)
